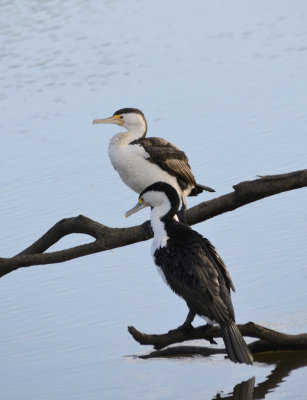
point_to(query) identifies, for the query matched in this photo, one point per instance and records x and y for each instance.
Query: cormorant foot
(209, 338)
(181, 328)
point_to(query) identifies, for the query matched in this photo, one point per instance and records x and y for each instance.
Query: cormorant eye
(121, 117)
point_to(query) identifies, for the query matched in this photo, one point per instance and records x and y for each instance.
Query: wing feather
(169, 158)
(217, 260)
(195, 272)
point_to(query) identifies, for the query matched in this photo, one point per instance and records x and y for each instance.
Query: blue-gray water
(223, 80)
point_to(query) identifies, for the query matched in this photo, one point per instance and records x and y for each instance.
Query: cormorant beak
(136, 208)
(112, 120)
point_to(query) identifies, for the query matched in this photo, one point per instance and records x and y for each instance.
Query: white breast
(131, 162)
(160, 235)
(159, 241)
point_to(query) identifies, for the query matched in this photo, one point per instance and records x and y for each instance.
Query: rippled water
(226, 81)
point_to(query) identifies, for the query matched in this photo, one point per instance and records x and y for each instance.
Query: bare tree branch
(270, 340)
(247, 192)
(107, 238)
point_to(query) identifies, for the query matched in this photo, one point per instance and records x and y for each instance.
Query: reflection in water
(285, 362)
(242, 391)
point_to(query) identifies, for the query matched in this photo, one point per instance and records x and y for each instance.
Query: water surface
(226, 82)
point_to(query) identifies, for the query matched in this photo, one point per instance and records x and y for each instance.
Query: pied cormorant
(141, 161)
(192, 268)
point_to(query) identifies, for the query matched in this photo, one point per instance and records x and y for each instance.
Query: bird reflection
(242, 391)
(284, 361)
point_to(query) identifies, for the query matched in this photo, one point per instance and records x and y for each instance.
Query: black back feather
(195, 272)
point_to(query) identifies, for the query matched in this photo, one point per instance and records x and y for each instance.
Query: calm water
(226, 81)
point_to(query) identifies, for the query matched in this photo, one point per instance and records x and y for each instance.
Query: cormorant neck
(163, 212)
(158, 226)
(137, 131)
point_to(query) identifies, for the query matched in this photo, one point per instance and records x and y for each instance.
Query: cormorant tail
(199, 189)
(236, 347)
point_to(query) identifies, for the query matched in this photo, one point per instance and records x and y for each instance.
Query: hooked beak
(111, 120)
(136, 208)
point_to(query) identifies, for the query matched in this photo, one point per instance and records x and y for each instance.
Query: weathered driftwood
(270, 340)
(107, 238)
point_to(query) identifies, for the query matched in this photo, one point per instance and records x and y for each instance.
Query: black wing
(169, 158)
(218, 262)
(195, 272)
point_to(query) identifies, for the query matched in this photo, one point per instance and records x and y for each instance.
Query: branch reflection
(285, 362)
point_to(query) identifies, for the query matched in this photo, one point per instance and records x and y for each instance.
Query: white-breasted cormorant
(141, 161)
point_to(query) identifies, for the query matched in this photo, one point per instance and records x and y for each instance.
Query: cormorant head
(130, 118)
(158, 195)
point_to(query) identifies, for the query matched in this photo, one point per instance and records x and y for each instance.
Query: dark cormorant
(192, 268)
